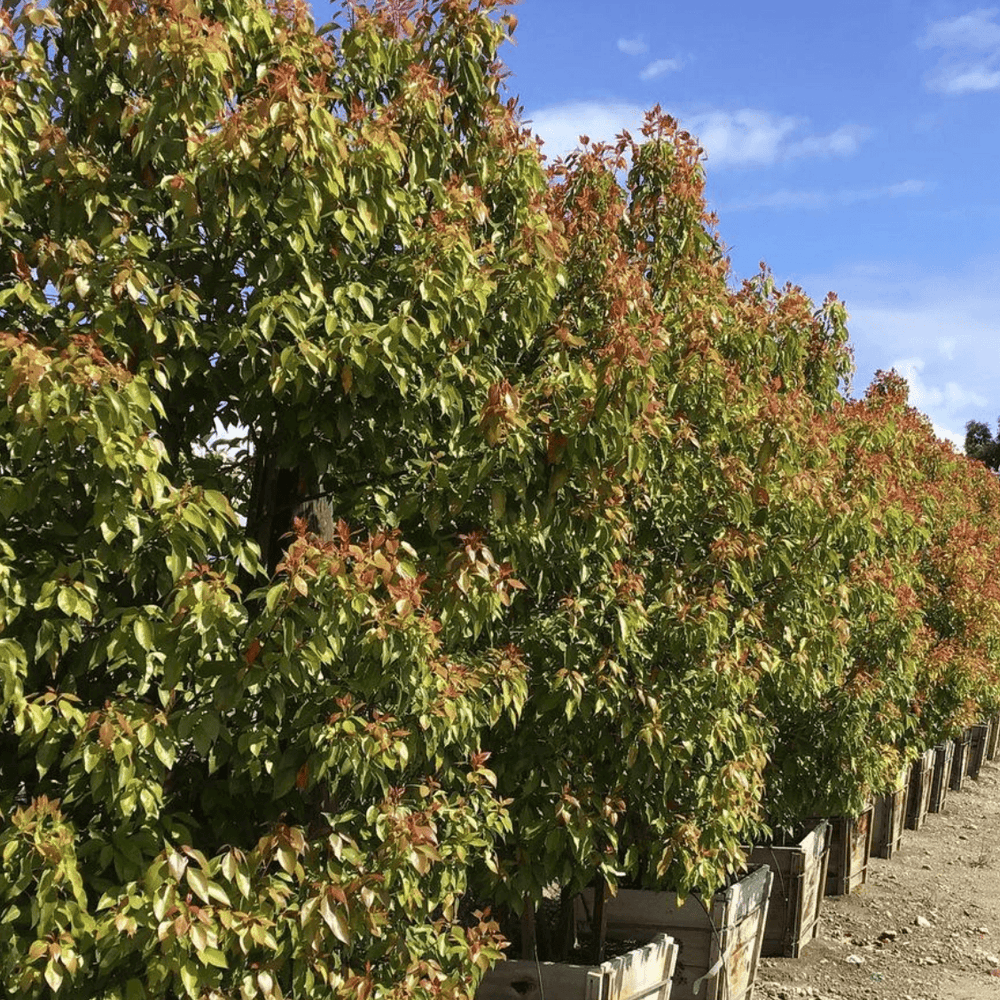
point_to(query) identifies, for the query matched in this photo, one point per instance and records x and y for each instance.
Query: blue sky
(852, 146)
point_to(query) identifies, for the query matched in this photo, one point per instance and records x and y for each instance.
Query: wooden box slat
(887, 821)
(977, 750)
(994, 738)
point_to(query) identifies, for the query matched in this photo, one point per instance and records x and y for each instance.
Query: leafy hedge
(393, 525)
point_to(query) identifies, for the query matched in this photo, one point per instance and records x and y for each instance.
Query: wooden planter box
(644, 972)
(960, 760)
(944, 755)
(719, 945)
(918, 797)
(991, 743)
(887, 819)
(977, 751)
(797, 891)
(850, 849)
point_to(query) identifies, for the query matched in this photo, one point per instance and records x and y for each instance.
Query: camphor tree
(243, 759)
(920, 609)
(512, 470)
(237, 761)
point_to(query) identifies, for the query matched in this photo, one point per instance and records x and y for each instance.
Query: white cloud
(925, 397)
(632, 46)
(745, 138)
(843, 142)
(976, 30)
(659, 67)
(939, 330)
(964, 79)
(761, 138)
(950, 400)
(561, 125)
(792, 199)
(957, 438)
(971, 52)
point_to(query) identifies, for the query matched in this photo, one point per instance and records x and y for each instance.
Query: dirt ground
(927, 924)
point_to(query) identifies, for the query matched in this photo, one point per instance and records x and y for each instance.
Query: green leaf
(198, 881)
(143, 633)
(68, 601)
(53, 974)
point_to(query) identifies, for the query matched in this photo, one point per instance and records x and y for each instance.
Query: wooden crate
(850, 849)
(918, 797)
(944, 754)
(887, 819)
(977, 750)
(719, 944)
(994, 738)
(797, 891)
(645, 972)
(960, 760)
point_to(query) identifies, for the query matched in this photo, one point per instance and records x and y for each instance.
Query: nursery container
(888, 817)
(944, 754)
(918, 796)
(991, 743)
(796, 892)
(643, 972)
(960, 760)
(850, 849)
(977, 750)
(719, 942)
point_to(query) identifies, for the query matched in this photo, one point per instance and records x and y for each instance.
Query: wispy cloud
(745, 138)
(939, 330)
(561, 125)
(844, 141)
(761, 138)
(659, 67)
(970, 62)
(925, 396)
(633, 46)
(792, 199)
(951, 399)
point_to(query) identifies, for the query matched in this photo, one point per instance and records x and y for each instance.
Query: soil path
(927, 924)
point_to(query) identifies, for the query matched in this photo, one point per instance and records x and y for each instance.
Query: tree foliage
(394, 526)
(982, 445)
(233, 760)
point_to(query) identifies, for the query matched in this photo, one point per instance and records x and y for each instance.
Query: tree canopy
(394, 526)
(982, 445)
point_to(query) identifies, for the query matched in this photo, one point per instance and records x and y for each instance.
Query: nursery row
(400, 534)
(671, 948)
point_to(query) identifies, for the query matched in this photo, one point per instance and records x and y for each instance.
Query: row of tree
(394, 526)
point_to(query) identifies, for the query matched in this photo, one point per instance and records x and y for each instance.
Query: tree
(239, 756)
(980, 444)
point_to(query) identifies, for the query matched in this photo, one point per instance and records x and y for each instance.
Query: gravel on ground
(926, 926)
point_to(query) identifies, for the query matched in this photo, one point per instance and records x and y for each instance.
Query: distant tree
(980, 444)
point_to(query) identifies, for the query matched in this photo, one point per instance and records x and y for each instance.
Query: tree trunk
(529, 951)
(600, 923)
